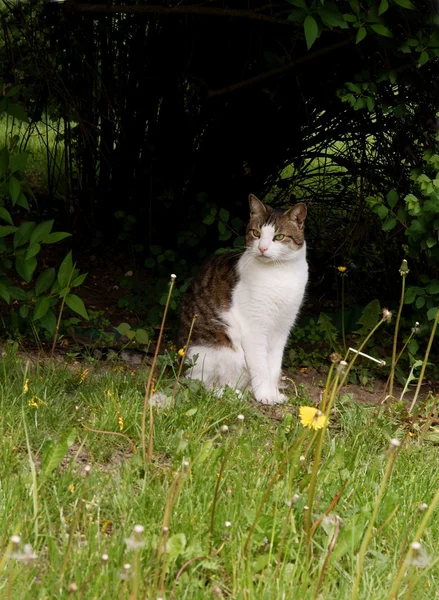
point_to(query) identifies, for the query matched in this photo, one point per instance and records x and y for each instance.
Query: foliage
(21, 241)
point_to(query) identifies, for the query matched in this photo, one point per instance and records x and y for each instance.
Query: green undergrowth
(222, 502)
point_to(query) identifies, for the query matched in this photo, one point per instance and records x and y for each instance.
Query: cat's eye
(279, 237)
(256, 233)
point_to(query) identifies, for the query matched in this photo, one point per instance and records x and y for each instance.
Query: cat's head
(274, 235)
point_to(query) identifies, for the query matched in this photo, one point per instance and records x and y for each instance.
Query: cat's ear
(297, 213)
(257, 209)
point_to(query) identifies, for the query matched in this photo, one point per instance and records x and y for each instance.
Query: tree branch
(193, 9)
(280, 70)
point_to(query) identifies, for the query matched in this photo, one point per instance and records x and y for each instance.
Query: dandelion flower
(26, 386)
(342, 269)
(120, 421)
(419, 557)
(181, 352)
(311, 417)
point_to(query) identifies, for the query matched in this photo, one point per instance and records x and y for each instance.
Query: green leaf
(392, 198)
(433, 288)
(361, 34)
(311, 30)
(41, 231)
(48, 322)
(224, 214)
(32, 251)
(423, 58)
(331, 17)
(298, 3)
(142, 337)
(123, 328)
(405, 4)
(54, 237)
(52, 456)
(25, 268)
(191, 412)
(431, 314)
(22, 201)
(44, 281)
(16, 111)
(24, 311)
(369, 317)
(381, 30)
(77, 305)
(175, 545)
(370, 103)
(65, 270)
(208, 220)
(41, 307)
(14, 189)
(384, 5)
(411, 293)
(389, 224)
(23, 233)
(79, 280)
(6, 230)
(382, 211)
(431, 242)
(4, 293)
(4, 214)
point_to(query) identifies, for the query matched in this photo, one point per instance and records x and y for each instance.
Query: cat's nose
(262, 249)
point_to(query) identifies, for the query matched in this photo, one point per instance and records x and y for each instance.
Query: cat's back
(208, 296)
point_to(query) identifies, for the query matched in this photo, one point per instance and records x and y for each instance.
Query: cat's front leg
(276, 345)
(256, 356)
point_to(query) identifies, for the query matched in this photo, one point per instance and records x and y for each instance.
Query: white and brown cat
(247, 304)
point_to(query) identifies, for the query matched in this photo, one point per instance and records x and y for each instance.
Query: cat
(246, 304)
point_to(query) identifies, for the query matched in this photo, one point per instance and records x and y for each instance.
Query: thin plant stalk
(180, 367)
(420, 530)
(343, 333)
(404, 273)
(424, 362)
(317, 456)
(58, 323)
(393, 454)
(215, 494)
(147, 456)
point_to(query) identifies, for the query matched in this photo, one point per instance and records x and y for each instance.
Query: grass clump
(223, 508)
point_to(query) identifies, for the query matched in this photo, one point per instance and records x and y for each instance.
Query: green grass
(71, 519)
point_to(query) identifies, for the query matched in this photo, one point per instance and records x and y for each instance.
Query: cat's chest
(277, 290)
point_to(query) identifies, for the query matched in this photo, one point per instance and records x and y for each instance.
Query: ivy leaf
(381, 30)
(361, 34)
(311, 30)
(77, 305)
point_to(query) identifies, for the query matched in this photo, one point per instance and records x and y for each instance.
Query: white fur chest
(269, 294)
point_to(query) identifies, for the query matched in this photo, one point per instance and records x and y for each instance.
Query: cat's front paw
(270, 398)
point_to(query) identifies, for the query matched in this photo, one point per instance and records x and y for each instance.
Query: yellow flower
(33, 403)
(26, 386)
(133, 373)
(109, 393)
(342, 269)
(312, 417)
(181, 352)
(72, 488)
(120, 421)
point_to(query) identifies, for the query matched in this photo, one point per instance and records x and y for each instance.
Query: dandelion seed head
(138, 529)
(104, 558)
(423, 507)
(15, 539)
(302, 458)
(306, 507)
(165, 530)
(387, 315)
(72, 587)
(395, 443)
(416, 546)
(240, 418)
(173, 276)
(334, 357)
(295, 498)
(228, 524)
(224, 429)
(127, 566)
